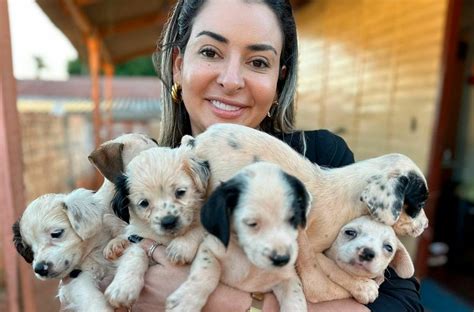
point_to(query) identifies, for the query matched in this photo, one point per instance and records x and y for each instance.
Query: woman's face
(229, 70)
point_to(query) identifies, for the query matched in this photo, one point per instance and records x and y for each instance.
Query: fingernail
(135, 238)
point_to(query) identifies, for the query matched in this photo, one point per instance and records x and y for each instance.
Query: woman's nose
(230, 78)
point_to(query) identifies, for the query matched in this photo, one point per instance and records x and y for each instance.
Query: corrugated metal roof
(122, 108)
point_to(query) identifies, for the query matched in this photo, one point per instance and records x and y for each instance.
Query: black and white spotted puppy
(254, 219)
(391, 188)
(159, 195)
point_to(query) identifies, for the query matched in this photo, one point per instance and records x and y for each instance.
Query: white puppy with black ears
(159, 195)
(254, 219)
(364, 248)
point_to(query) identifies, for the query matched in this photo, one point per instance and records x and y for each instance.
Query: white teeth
(223, 106)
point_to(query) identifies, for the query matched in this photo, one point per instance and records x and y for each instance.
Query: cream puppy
(254, 219)
(63, 235)
(160, 195)
(364, 248)
(380, 186)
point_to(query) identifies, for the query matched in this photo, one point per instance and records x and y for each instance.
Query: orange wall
(370, 70)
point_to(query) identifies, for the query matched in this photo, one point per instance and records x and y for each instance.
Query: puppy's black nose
(367, 254)
(169, 222)
(41, 268)
(279, 260)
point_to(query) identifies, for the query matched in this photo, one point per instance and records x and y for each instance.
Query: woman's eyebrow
(213, 35)
(261, 47)
(252, 47)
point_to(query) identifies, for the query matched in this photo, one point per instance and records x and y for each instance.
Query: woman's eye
(180, 193)
(57, 233)
(143, 203)
(388, 248)
(208, 53)
(259, 64)
(350, 233)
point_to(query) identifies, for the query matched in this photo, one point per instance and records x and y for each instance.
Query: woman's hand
(163, 278)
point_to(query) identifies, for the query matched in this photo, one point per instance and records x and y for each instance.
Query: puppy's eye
(251, 223)
(143, 203)
(388, 248)
(57, 233)
(350, 233)
(180, 193)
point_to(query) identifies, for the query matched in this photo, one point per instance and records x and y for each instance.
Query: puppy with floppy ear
(391, 188)
(254, 219)
(111, 158)
(62, 236)
(363, 249)
(160, 195)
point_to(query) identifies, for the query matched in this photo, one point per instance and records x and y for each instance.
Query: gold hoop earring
(275, 103)
(176, 93)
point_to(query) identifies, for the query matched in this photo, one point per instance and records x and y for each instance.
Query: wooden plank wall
(370, 71)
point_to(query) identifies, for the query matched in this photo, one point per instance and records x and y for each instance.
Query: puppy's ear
(23, 249)
(301, 201)
(401, 262)
(217, 210)
(108, 160)
(199, 171)
(188, 141)
(84, 212)
(120, 201)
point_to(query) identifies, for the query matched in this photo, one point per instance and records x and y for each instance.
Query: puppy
(254, 219)
(160, 195)
(379, 186)
(110, 159)
(62, 235)
(364, 248)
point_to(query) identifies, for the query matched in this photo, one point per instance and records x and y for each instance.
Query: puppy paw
(115, 248)
(184, 300)
(123, 293)
(181, 250)
(365, 290)
(411, 226)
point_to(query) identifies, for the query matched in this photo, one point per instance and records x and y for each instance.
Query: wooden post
(93, 49)
(11, 178)
(108, 96)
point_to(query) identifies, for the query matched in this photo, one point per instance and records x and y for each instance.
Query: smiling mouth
(224, 107)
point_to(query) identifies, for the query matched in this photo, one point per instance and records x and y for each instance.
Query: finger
(159, 254)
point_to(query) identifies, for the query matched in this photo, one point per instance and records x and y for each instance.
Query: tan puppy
(160, 195)
(78, 227)
(364, 248)
(379, 186)
(62, 235)
(254, 219)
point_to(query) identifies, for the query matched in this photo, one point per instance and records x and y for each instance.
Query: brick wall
(370, 70)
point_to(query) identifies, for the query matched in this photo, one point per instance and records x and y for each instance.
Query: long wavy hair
(175, 120)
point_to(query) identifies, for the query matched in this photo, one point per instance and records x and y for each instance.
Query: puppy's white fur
(364, 248)
(82, 224)
(66, 233)
(159, 195)
(254, 217)
(379, 186)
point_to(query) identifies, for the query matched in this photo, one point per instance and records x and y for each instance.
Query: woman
(235, 61)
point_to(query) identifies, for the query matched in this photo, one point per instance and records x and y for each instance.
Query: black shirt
(329, 150)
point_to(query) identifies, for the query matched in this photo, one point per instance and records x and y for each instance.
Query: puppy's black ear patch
(217, 210)
(120, 200)
(416, 194)
(300, 202)
(23, 249)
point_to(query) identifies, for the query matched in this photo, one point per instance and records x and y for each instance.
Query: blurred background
(387, 75)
